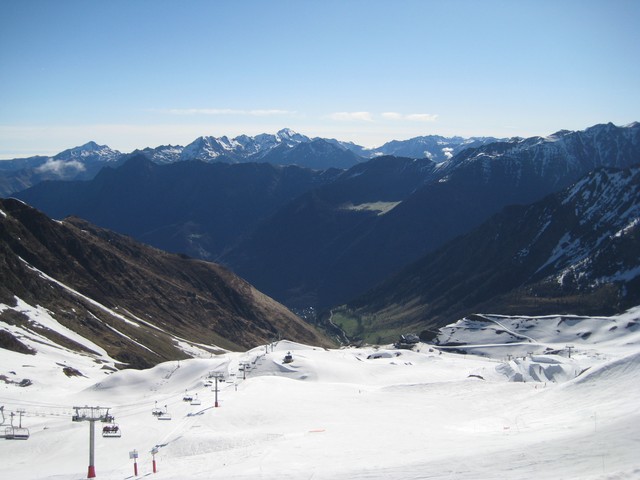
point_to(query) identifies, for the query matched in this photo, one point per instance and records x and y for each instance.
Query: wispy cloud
(422, 117)
(392, 115)
(223, 111)
(352, 116)
(60, 167)
(411, 117)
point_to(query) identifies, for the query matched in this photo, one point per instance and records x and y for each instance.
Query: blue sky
(137, 73)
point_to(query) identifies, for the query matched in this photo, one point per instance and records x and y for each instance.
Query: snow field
(369, 413)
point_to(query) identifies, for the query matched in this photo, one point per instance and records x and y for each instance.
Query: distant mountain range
(190, 207)
(286, 147)
(140, 304)
(341, 239)
(322, 237)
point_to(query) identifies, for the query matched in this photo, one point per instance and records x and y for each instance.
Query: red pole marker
(154, 450)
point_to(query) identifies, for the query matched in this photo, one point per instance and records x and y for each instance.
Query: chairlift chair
(16, 433)
(111, 431)
(165, 415)
(156, 411)
(196, 401)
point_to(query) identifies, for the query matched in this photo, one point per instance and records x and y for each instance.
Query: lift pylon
(91, 415)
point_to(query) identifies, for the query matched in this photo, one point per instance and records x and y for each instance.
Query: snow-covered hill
(352, 413)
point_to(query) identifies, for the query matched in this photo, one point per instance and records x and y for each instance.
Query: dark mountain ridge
(451, 199)
(190, 207)
(317, 154)
(312, 238)
(577, 251)
(138, 303)
(295, 253)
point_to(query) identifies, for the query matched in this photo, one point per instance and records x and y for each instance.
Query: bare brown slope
(166, 295)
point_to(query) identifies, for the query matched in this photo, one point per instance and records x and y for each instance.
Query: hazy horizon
(138, 74)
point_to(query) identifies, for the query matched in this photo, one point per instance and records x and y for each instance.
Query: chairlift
(111, 431)
(196, 401)
(288, 358)
(187, 397)
(156, 411)
(164, 415)
(16, 433)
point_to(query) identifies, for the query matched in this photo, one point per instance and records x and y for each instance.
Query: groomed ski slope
(368, 413)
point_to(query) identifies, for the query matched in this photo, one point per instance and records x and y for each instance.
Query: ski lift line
(182, 425)
(32, 413)
(166, 398)
(124, 409)
(7, 401)
(131, 409)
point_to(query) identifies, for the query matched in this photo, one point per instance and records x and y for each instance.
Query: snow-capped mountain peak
(89, 152)
(288, 136)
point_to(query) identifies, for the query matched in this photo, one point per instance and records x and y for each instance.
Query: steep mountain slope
(322, 247)
(454, 197)
(293, 253)
(141, 305)
(187, 207)
(577, 251)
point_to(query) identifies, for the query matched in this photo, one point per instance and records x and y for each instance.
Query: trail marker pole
(134, 454)
(154, 450)
(91, 415)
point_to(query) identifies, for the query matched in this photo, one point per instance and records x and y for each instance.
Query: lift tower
(91, 415)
